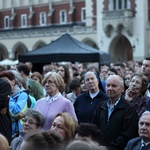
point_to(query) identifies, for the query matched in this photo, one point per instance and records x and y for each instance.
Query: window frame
(83, 14)
(24, 20)
(43, 19)
(63, 19)
(6, 18)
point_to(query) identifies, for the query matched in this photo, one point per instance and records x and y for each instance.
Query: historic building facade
(123, 28)
(29, 24)
(119, 27)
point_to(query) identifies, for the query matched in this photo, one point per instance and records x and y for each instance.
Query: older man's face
(144, 127)
(91, 82)
(114, 88)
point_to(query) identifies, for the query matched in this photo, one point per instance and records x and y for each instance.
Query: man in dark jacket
(5, 120)
(116, 118)
(87, 102)
(143, 141)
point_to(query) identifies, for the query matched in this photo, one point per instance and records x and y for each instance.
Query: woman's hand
(129, 95)
(19, 116)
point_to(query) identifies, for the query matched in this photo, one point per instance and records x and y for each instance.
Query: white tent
(8, 62)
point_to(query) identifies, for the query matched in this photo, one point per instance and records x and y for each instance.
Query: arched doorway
(90, 43)
(19, 48)
(120, 49)
(38, 44)
(3, 52)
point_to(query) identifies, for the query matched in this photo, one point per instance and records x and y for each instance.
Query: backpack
(29, 102)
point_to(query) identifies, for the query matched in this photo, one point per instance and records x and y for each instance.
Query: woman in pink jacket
(54, 103)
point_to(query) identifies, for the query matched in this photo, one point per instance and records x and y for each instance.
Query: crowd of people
(75, 106)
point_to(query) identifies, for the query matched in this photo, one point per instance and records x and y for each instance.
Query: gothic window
(114, 4)
(125, 4)
(63, 16)
(6, 22)
(42, 18)
(24, 20)
(83, 14)
(119, 4)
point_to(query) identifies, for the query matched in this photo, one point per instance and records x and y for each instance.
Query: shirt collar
(108, 103)
(144, 143)
(51, 99)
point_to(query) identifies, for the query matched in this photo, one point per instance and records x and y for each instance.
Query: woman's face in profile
(36, 78)
(61, 71)
(58, 126)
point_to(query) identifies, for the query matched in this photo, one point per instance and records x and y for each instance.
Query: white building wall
(148, 40)
(89, 12)
(140, 29)
(100, 33)
(1, 4)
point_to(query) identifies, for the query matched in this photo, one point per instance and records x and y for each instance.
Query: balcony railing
(118, 14)
(47, 31)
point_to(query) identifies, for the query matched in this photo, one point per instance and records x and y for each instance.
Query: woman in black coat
(5, 120)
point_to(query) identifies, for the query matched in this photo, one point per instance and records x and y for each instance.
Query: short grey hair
(36, 115)
(144, 113)
(117, 76)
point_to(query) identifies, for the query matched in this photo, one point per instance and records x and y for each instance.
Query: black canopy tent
(65, 48)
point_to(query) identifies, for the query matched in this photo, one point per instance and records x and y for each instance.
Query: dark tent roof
(65, 48)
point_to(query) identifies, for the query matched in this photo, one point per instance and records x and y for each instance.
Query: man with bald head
(116, 118)
(86, 103)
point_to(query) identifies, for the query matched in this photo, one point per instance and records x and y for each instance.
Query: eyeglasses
(30, 122)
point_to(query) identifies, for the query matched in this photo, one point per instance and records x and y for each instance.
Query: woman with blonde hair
(54, 103)
(64, 124)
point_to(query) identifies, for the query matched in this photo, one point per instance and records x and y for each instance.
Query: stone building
(119, 27)
(123, 28)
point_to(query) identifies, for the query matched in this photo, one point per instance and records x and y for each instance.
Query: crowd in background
(75, 106)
